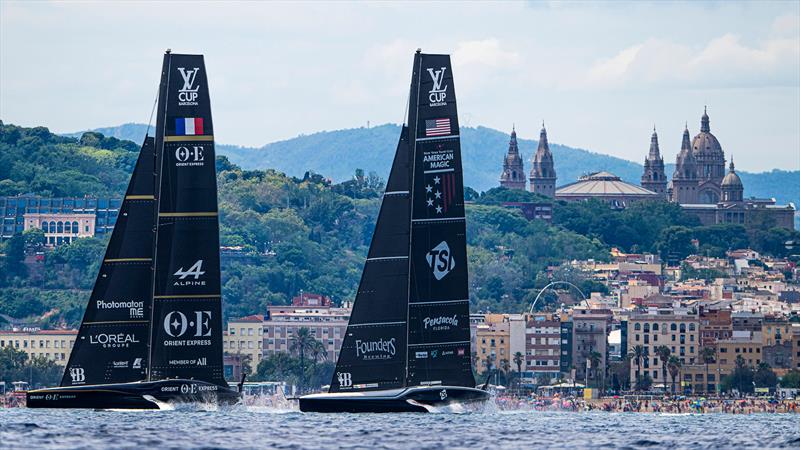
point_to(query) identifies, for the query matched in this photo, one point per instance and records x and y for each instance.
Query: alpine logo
(77, 374)
(189, 157)
(437, 94)
(187, 95)
(196, 271)
(345, 379)
(440, 260)
(137, 363)
(176, 324)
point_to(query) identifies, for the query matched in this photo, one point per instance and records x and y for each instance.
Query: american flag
(440, 190)
(437, 127)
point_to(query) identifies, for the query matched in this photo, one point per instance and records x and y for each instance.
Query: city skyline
(599, 78)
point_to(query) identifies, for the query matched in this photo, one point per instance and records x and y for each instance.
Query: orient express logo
(440, 260)
(176, 324)
(187, 95)
(437, 95)
(380, 349)
(440, 323)
(119, 340)
(135, 308)
(191, 156)
(195, 272)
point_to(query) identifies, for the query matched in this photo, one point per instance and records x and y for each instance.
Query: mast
(438, 336)
(186, 318)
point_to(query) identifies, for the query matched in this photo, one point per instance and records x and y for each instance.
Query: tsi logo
(437, 94)
(187, 95)
(176, 324)
(189, 157)
(440, 260)
(344, 378)
(77, 374)
(195, 272)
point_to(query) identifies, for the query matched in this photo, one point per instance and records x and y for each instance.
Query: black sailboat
(152, 331)
(407, 345)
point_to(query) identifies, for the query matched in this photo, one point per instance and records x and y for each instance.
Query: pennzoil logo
(437, 95)
(440, 260)
(192, 156)
(195, 272)
(187, 95)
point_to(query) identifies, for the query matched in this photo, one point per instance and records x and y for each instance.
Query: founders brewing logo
(195, 272)
(191, 156)
(380, 349)
(437, 95)
(187, 95)
(77, 374)
(440, 260)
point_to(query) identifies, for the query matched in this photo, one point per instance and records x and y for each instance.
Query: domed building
(605, 187)
(701, 186)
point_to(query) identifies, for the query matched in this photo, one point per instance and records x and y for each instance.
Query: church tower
(732, 187)
(653, 178)
(513, 176)
(684, 179)
(543, 173)
(708, 154)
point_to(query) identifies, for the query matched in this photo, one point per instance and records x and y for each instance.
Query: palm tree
(505, 366)
(518, 360)
(674, 366)
(707, 355)
(302, 343)
(638, 353)
(595, 358)
(663, 353)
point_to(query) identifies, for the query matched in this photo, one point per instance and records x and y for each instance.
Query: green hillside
(338, 153)
(305, 233)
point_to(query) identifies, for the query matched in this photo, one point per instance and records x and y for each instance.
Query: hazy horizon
(599, 74)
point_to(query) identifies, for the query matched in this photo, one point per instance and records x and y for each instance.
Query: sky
(599, 74)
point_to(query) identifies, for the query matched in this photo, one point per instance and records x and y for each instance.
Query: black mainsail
(111, 346)
(373, 354)
(186, 336)
(438, 305)
(152, 331)
(407, 343)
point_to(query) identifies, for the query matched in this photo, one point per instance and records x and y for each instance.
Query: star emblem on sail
(440, 191)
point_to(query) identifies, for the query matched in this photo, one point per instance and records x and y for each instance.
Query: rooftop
(603, 184)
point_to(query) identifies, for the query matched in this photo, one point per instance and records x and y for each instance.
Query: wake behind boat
(152, 331)
(407, 345)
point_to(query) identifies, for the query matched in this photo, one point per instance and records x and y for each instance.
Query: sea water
(269, 427)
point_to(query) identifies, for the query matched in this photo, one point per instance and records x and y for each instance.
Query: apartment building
(54, 345)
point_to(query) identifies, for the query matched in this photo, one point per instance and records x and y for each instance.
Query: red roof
(254, 318)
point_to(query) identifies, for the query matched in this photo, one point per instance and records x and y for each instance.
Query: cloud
(723, 62)
(484, 53)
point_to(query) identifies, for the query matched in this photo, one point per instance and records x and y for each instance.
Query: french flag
(188, 126)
